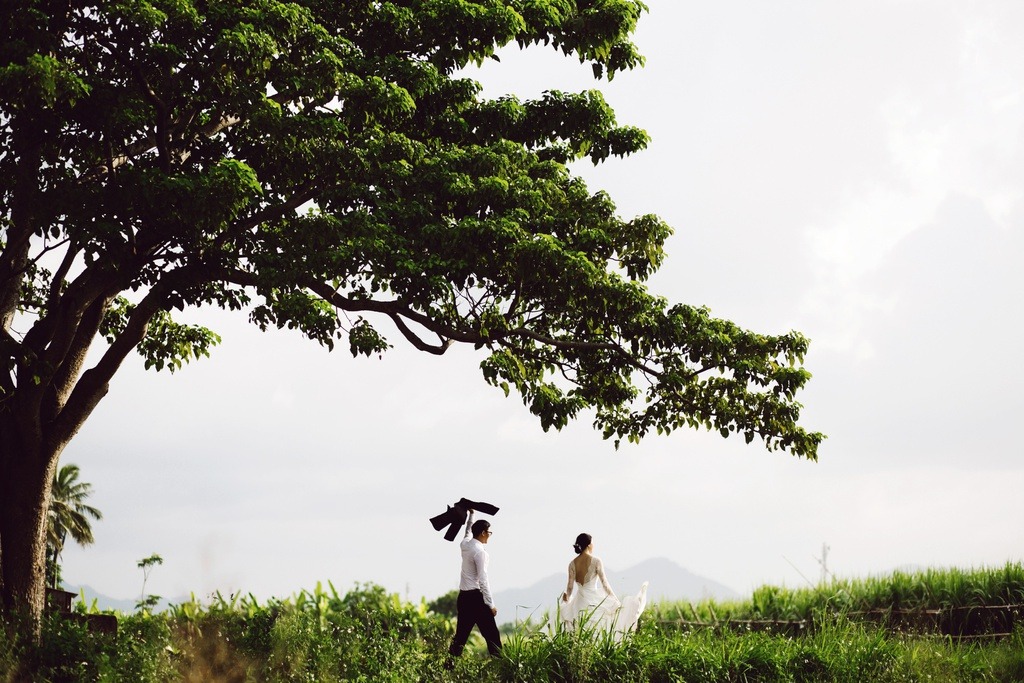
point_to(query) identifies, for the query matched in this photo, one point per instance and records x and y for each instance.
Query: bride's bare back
(582, 566)
(582, 570)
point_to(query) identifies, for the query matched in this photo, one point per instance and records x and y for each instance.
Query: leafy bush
(949, 601)
(368, 634)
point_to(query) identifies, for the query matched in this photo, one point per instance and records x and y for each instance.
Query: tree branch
(10, 349)
(67, 372)
(45, 346)
(27, 146)
(162, 135)
(51, 335)
(418, 343)
(150, 142)
(395, 309)
(302, 194)
(94, 383)
(59, 275)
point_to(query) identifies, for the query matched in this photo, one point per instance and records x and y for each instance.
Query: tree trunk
(26, 477)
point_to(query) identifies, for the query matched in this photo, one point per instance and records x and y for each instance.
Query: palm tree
(68, 515)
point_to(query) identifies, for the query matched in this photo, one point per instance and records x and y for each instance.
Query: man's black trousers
(473, 611)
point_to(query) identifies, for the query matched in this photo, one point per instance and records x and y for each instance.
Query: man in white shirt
(475, 606)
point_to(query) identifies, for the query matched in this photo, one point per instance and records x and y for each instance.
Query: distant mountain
(668, 581)
(105, 602)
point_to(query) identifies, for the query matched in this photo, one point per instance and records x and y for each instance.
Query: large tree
(325, 165)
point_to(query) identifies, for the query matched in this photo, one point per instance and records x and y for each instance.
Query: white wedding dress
(594, 607)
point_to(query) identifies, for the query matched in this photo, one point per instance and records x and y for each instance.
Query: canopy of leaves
(327, 165)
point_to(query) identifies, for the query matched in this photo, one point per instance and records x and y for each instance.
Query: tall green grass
(962, 597)
(838, 651)
(368, 634)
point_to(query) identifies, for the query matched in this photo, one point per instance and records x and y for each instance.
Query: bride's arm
(572, 579)
(604, 579)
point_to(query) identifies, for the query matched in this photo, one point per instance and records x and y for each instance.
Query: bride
(589, 600)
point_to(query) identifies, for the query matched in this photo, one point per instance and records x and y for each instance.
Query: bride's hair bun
(582, 542)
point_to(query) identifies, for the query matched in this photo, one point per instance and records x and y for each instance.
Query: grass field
(836, 632)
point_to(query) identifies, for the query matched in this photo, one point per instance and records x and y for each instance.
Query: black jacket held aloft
(455, 516)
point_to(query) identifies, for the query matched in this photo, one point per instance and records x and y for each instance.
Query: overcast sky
(850, 170)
